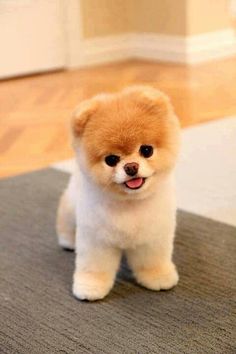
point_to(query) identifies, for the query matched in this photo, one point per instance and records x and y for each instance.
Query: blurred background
(55, 53)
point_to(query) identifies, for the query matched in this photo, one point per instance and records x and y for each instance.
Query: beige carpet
(38, 313)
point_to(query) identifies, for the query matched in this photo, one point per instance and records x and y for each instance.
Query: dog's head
(124, 142)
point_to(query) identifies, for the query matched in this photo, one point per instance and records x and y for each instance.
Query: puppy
(122, 195)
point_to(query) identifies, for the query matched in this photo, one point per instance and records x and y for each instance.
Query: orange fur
(119, 123)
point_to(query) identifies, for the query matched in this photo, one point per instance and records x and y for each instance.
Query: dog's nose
(131, 168)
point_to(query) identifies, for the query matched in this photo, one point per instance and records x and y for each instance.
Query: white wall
(32, 36)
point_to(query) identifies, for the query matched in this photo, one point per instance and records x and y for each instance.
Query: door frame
(73, 33)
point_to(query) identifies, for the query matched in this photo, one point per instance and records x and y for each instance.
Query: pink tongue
(134, 183)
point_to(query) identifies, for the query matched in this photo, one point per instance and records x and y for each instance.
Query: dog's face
(126, 141)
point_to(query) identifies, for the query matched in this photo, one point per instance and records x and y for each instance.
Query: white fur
(106, 226)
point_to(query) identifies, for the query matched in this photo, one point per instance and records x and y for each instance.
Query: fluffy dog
(122, 195)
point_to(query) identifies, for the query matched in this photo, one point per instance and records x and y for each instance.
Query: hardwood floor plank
(9, 138)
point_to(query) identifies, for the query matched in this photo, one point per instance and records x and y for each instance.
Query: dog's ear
(81, 116)
(150, 98)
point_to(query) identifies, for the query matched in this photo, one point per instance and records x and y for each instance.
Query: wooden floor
(35, 111)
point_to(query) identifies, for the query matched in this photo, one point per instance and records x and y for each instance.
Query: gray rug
(39, 315)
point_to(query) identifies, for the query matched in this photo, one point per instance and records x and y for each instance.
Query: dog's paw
(91, 285)
(67, 243)
(163, 278)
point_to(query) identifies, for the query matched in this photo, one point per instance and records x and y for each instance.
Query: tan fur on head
(119, 124)
(81, 115)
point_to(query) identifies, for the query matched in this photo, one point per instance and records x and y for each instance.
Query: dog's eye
(146, 150)
(112, 160)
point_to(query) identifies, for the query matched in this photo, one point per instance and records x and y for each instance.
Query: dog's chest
(126, 225)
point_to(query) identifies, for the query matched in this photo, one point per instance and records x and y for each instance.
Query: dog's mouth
(135, 183)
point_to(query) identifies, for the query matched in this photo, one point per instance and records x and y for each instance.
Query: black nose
(131, 168)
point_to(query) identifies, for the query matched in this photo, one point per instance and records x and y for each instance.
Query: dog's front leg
(95, 271)
(152, 264)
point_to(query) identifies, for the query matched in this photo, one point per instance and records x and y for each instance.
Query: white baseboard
(107, 49)
(207, 46)
(188, 50)
(232, 5)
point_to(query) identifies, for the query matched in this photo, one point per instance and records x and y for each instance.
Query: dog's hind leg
(66, 224)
